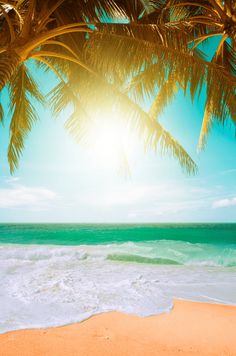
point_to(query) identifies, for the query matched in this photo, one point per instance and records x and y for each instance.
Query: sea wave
(160, 252)
(54, 285)
(142, 259)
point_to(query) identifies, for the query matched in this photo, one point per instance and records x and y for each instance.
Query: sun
(110, 142)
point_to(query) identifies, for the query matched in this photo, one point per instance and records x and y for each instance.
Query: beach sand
(189, 329)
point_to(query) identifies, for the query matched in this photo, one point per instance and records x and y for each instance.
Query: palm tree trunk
(9, 61)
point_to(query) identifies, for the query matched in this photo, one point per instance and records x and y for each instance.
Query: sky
(61, 181)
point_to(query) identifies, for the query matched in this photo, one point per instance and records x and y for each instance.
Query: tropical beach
(130, 286)
(117, 177)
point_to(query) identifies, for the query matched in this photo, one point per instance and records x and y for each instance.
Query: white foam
(48, 286)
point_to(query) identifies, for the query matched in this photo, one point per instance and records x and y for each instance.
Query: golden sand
(189, 329)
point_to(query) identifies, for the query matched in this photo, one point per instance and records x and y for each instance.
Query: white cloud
(150, 200)
(12, 180)
(224, 203)
(29, 197)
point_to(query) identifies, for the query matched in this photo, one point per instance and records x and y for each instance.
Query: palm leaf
(170, 146)
(164, 97)
(227, 58)
(1, 113)
(89, 95)
(207, 123)
(22, 90)
(185, 68)
(95, 70)
(8, 64)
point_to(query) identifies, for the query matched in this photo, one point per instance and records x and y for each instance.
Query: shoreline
(164, 312)
(189, 328)
(131, 314)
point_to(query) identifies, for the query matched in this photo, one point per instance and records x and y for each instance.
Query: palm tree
(166, 54)
(88, 53)
(54, 34)
(207, 20)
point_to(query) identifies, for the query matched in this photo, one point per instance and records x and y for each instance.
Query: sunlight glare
(110, 142)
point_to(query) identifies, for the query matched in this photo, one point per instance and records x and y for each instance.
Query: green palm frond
(85, 44)
(60, 67)
(8, 65)
(221, 104)
(164, 97)
(185, 68)
(207, 123)
(23, 89)
(155, 42)
(60, 97)
(88, 95)
(1, 113)
(64, 95)
(168, 145)
(227, 58)
(78, 123)
(221, 96)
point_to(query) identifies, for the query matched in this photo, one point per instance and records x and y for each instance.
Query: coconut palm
(88, 54)
(164, 55)
(208, 20)
(54, 33)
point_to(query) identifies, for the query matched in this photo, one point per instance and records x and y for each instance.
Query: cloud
(224, 203)
(18, 196)
(11, 180)
(150, 200)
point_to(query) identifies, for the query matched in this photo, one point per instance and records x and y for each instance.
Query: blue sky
(61, 181)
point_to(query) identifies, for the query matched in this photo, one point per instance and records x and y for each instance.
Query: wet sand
(189, 329)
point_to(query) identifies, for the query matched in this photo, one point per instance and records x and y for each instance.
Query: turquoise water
(167, 244)
(74, 234)
(55, 274)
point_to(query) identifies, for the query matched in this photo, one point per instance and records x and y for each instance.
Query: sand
(189, 329)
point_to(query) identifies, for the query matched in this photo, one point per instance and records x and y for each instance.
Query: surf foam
(45, 286)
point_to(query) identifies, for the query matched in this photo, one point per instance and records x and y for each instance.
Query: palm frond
(90, 95)
(44, 16)
(227, 58)
(78, 41)
(9, 22)
(221, 95)
(107, 47)
(1, 113)
(169, 145)
(22, 90)
(149, 131)
(58, 65)
(157, 137)
(186, 69)
(78, 122)
(8, 64)
(60, 97)
(207, 123)
(164, 97)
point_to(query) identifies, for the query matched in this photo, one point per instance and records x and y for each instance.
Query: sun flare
(110, 142)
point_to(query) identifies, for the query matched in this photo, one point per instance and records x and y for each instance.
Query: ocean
(56, 274)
